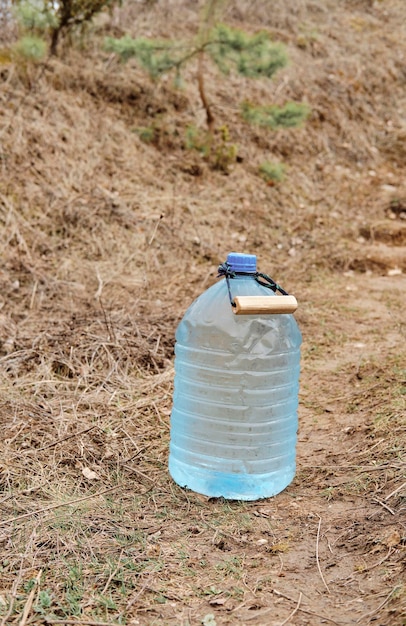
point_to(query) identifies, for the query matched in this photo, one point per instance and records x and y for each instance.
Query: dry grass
(106, 239)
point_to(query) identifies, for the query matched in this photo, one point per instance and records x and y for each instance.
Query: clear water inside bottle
(234, 417)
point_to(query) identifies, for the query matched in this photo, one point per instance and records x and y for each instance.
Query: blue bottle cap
(239, 262)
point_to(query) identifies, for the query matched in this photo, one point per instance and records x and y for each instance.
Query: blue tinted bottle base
(230, 486)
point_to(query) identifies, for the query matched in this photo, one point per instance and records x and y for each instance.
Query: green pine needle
(289, 116)
(272, 172)
(157, 57)
(254, 56)
(30, 48)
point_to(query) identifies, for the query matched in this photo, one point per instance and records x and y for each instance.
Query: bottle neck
(243, 275)
(225, 269)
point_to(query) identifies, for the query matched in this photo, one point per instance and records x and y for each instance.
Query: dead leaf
(90, 474)
(393, 539)
(218, 601)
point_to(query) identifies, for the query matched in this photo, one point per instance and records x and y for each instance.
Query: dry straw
(106, 239)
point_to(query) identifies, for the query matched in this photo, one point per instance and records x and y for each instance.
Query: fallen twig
(381, 560)
(113, 573)
(55, 443)
(77, 622)
(56, 506)
(13, 595)
(385, 506)
(322, 617)
(375, 611)
(30, 599)
(317, 557)
(395, 491)
(295, 610)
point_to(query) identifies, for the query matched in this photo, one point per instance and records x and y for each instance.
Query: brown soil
(106, 239)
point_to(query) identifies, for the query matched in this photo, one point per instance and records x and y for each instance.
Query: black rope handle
(224, 270)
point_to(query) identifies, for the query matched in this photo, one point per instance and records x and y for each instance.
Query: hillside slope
(106, 239)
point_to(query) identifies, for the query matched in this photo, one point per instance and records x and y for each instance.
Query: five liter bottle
(237, 360)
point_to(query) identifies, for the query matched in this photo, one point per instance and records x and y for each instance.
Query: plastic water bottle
(234, 417)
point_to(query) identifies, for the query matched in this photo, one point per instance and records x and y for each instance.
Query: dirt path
(348, 464)
(330, 549)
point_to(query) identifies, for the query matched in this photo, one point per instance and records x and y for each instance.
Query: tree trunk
(202, 93)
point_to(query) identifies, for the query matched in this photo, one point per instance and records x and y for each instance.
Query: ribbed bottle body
(234, 416)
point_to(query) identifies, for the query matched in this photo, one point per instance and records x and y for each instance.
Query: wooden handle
(252, 305)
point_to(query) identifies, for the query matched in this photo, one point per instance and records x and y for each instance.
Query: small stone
(396, 271)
